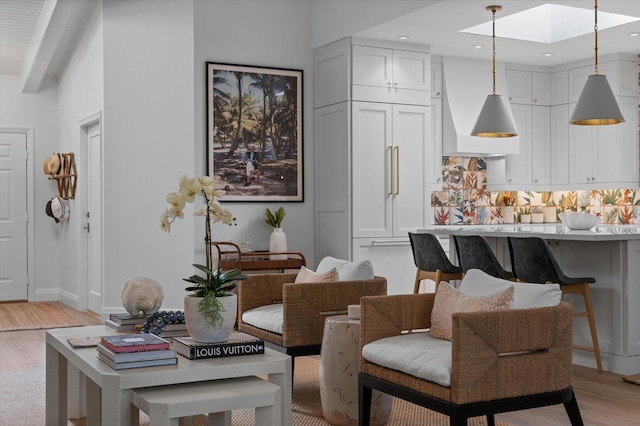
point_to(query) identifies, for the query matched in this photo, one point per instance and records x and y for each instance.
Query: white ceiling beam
(51, 24)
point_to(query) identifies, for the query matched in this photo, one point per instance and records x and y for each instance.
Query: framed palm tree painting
(254, 132)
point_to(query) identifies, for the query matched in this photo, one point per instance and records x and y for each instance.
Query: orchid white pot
(278, 242)
(202, 331)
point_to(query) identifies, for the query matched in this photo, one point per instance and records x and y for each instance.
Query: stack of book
(125, 322)
(124, 351)
(237, 344)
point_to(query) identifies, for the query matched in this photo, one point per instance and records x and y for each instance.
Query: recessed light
(402, 37)
(478, 46)
(547, 54)
(634, 34)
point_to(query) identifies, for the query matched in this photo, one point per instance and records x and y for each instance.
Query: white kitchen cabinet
(606, 156)
(391, 258)
(435, 158)
(559, 147)
(528, 88)
(331, 73)
(332, 154)
(622, 76)
(559, 88)
(529, 96)
(530, 168)
(374, 154)
(540, 145)
(518, 166)
(390, 151)
(390, 75)
(436, 79)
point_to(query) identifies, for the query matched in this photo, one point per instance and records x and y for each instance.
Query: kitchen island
(610, 254)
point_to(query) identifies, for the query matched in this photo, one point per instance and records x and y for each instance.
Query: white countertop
(556, 231)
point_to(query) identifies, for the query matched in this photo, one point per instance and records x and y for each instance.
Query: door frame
(83, 266)
(28, 131)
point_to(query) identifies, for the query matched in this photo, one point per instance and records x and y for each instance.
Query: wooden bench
(173, 405)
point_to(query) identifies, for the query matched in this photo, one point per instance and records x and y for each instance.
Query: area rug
(635, 379)
(35, 316)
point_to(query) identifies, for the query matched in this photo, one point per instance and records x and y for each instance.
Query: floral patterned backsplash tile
(465, 200)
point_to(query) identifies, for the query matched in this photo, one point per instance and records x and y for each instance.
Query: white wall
(148, 142)
(37, 111)
(263, 33)
(80, 95)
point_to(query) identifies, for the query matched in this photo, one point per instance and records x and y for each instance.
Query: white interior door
(93, 217)
(13, 217)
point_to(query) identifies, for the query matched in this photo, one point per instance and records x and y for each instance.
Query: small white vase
(507, 214)
(202, 331)
(278, 242)
(550, 214)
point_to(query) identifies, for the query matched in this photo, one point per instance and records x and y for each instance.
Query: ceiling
(438, 25)
(36, 35)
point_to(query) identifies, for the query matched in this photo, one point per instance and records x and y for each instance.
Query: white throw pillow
(525, 295)
(308, 276)
(347, 271)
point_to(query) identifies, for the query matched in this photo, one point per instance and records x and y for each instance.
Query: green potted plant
(278, 239)
(210, 311)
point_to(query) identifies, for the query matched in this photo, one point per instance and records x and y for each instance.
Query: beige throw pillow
(450, 300)
(308, 276)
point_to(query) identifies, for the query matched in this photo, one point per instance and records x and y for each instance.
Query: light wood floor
(604, 399)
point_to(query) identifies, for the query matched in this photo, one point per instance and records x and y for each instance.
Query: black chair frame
(459, 413)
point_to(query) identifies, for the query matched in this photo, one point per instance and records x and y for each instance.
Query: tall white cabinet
(373, 154)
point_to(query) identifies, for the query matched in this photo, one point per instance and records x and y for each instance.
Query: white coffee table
(109, 390)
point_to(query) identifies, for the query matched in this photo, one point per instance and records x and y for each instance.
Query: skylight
(550, 23)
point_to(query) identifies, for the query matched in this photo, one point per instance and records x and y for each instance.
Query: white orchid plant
(216, 283)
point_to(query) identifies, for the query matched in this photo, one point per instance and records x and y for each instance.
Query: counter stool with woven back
(474, 252)
(533, 261)
(431, 260)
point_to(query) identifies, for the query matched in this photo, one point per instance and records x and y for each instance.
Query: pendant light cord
(595, 29)
(494, 49)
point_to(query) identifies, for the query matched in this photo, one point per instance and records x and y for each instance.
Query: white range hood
(467, 83)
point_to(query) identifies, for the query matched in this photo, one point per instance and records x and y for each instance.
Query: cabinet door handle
(390, 170)
(397, 170)
(390, 242)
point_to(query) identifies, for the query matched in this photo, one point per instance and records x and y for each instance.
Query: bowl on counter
(579, 220)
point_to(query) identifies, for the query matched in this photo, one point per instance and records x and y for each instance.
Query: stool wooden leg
(438, 279)
(583, 290)
(592, 326)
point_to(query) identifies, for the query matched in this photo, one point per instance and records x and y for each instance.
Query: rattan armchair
(304, 307)
(500, 361)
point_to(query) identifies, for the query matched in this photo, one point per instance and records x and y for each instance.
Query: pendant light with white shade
(495, 119)
(596, 105)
